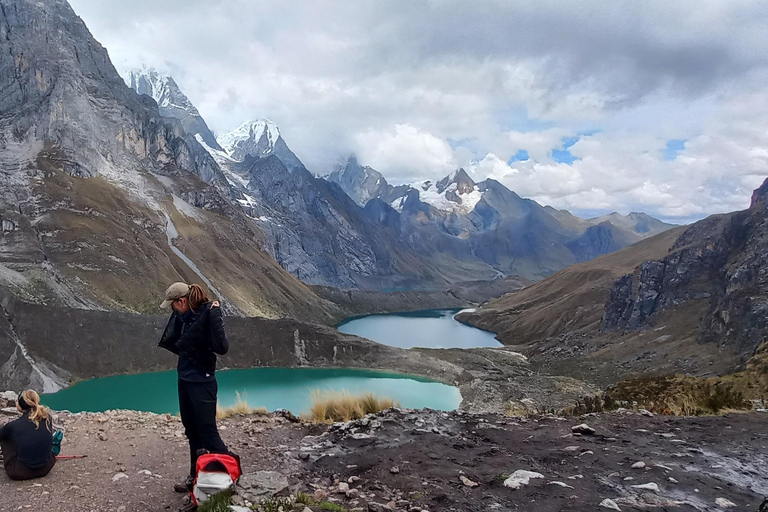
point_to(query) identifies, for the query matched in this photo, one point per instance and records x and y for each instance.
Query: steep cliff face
(106, 201)
(103, 201)
(719, 263)
(60, 87)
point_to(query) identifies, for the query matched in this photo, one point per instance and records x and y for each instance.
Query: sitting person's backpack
(58, 437)
(214, 473)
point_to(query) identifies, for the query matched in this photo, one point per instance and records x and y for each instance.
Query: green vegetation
(275, 505)
(332, 406)
(306, 499)
(217, 503)
(683, 395)
(333, 507)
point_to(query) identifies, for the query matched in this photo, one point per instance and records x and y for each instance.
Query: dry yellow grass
(241, 407)
(332, 406)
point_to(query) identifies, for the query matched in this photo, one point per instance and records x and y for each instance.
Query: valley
(652, 334)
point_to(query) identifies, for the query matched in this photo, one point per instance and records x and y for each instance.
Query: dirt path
(693, 461)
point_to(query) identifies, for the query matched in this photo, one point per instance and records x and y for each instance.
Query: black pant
(197, 405)
(18, 471)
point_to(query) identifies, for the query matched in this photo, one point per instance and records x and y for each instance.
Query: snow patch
(428, 193)
(248, 201)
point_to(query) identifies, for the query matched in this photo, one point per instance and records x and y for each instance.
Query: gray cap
(175, 291)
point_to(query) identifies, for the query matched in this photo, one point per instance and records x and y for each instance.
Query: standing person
(195, 332)
(27, 442)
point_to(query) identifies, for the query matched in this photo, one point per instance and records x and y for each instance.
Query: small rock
(583, 429)
(466, 481)
(571, 448)
(378, 507)
(646, 412)
(520, 478)
(638, 465)
(609, 504)
(560, 484)
(647, 487)
(352, 493)
(724, 503)
(628, 478)
(343, 488)
(394, 470)
(119, 476)
(320, 494)
(672, 480)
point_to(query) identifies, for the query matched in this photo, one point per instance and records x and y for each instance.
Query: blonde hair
(37, 412)
(197, 296)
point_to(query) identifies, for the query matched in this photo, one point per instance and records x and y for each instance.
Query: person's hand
(215, 304)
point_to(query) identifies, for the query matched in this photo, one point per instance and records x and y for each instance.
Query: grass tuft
(241, 407)
(219, 502)
(332, 406)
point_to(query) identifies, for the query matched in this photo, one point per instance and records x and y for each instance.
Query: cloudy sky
(592, 106)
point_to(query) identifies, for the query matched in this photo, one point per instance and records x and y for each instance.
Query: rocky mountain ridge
(688, 301)
(106, 200)
(718, 263)
(171, 102)
(429, 223)
(492, 222)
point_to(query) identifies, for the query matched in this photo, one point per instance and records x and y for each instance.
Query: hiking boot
(185, 486)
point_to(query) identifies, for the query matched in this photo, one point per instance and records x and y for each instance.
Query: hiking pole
(69, 457)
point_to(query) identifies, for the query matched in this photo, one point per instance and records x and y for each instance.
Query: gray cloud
(396, 81)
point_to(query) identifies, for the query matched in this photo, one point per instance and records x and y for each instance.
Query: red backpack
(214, 473)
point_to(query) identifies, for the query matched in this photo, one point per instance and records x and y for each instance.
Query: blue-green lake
(291, 388)
(273, 388)
(431, 328)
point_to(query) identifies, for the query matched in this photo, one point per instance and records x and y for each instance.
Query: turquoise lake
(273, 388)
(291, 388)
(431, 328)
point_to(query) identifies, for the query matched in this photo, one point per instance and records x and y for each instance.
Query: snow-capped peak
(160, 87)
(250, 130)
(455, 192)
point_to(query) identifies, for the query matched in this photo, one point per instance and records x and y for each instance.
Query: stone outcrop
(719, 263)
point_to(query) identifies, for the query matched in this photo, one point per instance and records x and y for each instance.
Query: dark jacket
(33, 443)
(201, 340)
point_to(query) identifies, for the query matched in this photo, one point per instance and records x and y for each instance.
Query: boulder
(255, 487)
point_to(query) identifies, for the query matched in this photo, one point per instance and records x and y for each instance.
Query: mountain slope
(98, 181)
(690, 300)
(486, 220)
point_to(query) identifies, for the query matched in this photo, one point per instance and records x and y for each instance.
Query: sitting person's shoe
(185, 486)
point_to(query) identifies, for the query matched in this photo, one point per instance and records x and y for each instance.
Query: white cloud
(418, 87)
(408, 153)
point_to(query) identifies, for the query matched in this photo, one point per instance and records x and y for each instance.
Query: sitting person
(27, 442)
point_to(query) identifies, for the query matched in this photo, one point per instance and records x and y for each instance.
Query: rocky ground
(420, 460)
